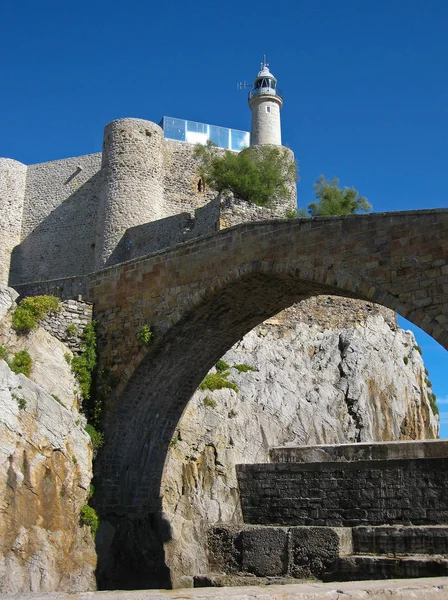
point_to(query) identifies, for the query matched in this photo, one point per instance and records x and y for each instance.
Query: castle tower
(265, 101)
(132, 188)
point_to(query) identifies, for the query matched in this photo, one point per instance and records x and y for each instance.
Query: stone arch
(200, 316)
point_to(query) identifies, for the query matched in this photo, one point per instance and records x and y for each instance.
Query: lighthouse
(265, 102)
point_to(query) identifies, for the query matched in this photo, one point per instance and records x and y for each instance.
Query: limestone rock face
(50, 368)
(328, 371)
(45, 472)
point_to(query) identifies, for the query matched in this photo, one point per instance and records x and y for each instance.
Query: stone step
(352, 568)
(241, 579)
(400, 540)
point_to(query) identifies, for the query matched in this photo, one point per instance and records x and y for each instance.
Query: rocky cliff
(45, 469)
(328, 370)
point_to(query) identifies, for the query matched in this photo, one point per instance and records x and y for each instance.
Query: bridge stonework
(201, 297)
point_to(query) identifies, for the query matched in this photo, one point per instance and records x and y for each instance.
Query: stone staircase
(337, 513)
(394, 552)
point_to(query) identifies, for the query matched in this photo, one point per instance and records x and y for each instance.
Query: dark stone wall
(410, 491)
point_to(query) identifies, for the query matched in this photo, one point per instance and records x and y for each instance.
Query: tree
(258, 175)
(333, 201)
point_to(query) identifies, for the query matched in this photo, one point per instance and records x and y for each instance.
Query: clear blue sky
(365, 83)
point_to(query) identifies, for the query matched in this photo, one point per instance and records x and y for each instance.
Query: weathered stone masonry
(67, 218)
(346, 485)
(69, 323)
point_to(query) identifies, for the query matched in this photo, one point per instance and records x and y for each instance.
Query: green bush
(58, 400)
(88, 517)
(84, 363)
(71, 330)
(419, 350)
(20, 401)
(433, 403)
(23, 320)
(91, 491)
(295, 213)
(209, 402)
(31, 310)
(332, 201)
(21, 363)
(96, 437)
(405, 360)
(256, 175)
(243, 368)
(145, 335)
(4, 354)
(217, 381)
(221, 366)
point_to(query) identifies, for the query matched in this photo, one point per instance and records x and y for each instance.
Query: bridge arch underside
(149, 408)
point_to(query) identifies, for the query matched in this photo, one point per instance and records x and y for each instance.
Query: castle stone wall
(69, 323)
(141, 195)
(59, 220)
(12, 193)
(183, 190)
(168, 232)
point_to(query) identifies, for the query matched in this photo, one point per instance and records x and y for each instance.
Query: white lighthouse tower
(265, 101)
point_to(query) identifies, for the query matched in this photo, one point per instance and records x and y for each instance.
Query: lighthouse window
(268, 109)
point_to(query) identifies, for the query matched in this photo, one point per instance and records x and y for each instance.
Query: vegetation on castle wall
(145, 335)
(257, 175)
(84, 363)
(31, 310)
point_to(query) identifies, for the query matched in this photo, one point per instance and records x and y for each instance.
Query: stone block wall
(165, 233)
(299, 552)
(73, 314)
(343, 486)
(64, 288)
(182, 186)
(58, 228)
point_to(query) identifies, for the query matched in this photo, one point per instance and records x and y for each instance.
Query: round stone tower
(265, 101)
(132, 186)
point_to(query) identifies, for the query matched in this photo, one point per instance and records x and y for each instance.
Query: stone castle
(142, 193)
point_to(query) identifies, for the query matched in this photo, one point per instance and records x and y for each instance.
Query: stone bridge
(203, 296)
